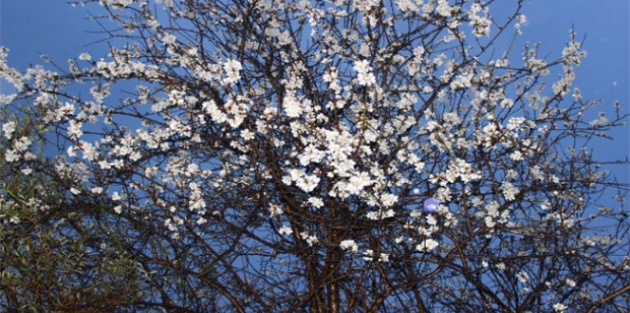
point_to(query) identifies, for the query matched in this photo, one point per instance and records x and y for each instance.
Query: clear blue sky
(31, 27)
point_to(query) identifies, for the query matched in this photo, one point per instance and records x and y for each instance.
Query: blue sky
(32, 27)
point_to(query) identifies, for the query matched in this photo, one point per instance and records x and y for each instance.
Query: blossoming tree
(329, 156)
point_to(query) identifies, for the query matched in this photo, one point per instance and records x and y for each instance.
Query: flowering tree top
(306, 148)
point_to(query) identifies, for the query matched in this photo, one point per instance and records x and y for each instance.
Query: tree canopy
(309, 156)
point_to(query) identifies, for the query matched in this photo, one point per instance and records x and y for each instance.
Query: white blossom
(8, 129)
(349, 245)
(232, 70)
(285, 230)
(427, 245)
(559, 307)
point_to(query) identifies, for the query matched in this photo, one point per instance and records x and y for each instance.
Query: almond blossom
(323, 156)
